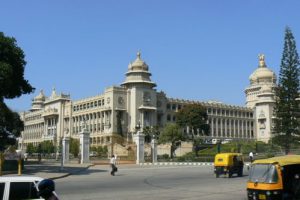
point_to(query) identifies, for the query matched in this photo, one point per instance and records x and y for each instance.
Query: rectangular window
(168, 106)
(173, 107)
(168, 117)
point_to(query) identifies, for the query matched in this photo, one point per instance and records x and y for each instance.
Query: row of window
(230, 113)
(216, 111)
(32, 118)
(174, 106)
(230, 122)
(99, 140)
(34, 127)
(92, 128)
(220, 121)
(32, 135)
(89, 105)
(89, 116)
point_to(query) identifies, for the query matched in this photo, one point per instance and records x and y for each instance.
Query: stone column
(84, 146)
(154, 150)
(212, 127)
(139, 139)
(66, 149)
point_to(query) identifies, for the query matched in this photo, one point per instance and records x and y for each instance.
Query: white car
(19, 187)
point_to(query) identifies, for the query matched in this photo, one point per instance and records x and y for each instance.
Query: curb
(178, 164)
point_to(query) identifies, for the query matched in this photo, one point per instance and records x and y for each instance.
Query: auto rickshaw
(275, 178)
(229, 164)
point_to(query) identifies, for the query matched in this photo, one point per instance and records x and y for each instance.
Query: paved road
(168, 183)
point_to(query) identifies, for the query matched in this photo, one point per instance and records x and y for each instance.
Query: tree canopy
(12, 84)
(287, 106)
(171, 133)
(195, 117)
(12, 64)
(10, 126)
(150, 132)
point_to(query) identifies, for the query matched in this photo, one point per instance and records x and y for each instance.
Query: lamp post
(138, 126)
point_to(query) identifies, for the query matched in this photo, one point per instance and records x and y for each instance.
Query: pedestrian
(46, 189)
(251, 156)
(113, 165)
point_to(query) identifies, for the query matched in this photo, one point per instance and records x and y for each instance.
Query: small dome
(138, 64)
(40, 96)
(262, 72)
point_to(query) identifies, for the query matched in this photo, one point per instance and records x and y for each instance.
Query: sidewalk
(51, 170)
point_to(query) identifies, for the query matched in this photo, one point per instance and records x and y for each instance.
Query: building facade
(260, 96)
(114, 116)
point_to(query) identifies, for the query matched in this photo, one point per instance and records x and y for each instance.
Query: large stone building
(113, 116)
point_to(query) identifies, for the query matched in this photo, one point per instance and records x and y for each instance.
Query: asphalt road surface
(145, 183)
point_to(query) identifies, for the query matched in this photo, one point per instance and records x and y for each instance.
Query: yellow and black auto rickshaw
(275, 178)
(229, 164)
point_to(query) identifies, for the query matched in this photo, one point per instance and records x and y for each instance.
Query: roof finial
(139, 54)
(261, 60)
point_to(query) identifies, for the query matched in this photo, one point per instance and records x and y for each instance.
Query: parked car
(19, 187)
(93, 153)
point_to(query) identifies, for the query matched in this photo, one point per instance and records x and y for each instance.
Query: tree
(12, 84)
(10, 126)
(195, 117)
(31, 149)
(171, 133)
(74, 146)
(150, 132)
(47, 147)
(101, 151)
(12, 64)
(287, 107)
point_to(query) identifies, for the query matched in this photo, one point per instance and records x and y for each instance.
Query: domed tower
(261, 77)
(138, 74)
(261, 97)
(141, 95)
(38, 101)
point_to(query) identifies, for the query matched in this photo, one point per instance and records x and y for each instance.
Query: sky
(196, 49)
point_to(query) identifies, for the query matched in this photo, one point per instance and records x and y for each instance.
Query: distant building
(113, 116)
